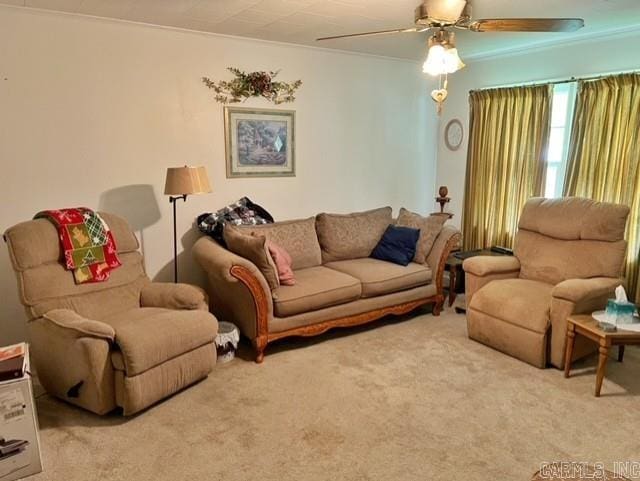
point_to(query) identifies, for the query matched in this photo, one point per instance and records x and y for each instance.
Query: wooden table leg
(452, 284)
(602, 364)
(568, 356)
(620, 352)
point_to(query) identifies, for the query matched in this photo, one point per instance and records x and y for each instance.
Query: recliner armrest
(173, 296)
(578, 290)
(483, 266)
(84, 327)
(576, 296)
(481, 270)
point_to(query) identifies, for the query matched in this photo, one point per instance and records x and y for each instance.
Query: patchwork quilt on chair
(87, 243)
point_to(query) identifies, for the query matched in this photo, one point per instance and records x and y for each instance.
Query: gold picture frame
(259, 142)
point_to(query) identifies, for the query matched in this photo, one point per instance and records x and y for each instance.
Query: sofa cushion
(315, 288)
(254, 249)
(297, 237)
(522, 302)
(429, 226)
(353, 309)
(351, 236)
(150, 336)
(398, 245)
(380, 277)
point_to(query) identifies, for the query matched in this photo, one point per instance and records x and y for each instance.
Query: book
(15, 350)
(12, 361)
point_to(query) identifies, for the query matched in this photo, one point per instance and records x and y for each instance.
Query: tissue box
(620, 312)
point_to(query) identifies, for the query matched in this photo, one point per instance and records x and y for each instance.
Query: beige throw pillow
(253, 248)
(351, 236)
(297, 237)
(429, 226)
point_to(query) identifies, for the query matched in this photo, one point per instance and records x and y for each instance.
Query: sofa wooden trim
(264, 337)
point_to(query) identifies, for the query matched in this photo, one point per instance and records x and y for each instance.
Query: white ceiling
(301, 21)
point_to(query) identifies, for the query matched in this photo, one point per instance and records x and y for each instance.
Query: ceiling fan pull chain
(440, 94)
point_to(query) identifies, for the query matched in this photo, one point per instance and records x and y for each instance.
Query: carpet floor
(408, 398)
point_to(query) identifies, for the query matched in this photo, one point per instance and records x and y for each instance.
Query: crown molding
(61, 13)
(542, 45)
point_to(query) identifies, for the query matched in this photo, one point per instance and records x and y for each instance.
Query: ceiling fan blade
(379, 32)
(527, 25)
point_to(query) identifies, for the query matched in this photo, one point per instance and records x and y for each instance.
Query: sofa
(337, 283)
(126, 342)
(568, 259)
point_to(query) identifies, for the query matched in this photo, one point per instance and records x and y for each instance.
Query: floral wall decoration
(253, 84)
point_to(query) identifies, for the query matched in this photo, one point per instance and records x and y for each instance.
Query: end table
(587, 326)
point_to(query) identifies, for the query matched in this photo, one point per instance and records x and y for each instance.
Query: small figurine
(442, 198)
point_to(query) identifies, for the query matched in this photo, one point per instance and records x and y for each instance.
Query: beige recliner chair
(568, 259)
(125, 342)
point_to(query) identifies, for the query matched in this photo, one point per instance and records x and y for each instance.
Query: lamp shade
(442, 54)
(442, 60)
(187, 181)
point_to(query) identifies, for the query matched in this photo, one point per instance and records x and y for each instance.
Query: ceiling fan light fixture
(446, 12)
(442, 56)
(455, 59)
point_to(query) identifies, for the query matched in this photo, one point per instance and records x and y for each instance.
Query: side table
(587, 326)
(454, 266)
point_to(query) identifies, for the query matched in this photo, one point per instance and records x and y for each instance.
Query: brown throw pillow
(253, 248)
(429, 226)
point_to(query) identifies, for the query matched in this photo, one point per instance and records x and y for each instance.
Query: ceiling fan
(445, 15)
(457, 13)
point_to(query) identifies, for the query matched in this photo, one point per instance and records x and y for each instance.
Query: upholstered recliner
(124, 342)
(568, 259)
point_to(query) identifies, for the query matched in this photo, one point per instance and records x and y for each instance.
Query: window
(564, 95)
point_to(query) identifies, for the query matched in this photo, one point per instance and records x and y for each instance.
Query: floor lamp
(180, 183)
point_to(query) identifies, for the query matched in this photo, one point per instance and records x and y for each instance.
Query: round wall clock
(453, 134)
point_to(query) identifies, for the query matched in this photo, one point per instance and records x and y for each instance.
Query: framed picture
(259, 142)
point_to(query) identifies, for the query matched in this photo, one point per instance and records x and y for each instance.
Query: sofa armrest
(480, 270)
(579, 290)
(237, 289)
(448, 238)
(576, 296)
(80, 326)
(173, 296)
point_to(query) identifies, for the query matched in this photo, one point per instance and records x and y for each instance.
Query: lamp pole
(179, 183)
(173, 199)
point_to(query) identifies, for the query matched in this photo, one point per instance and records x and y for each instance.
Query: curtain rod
(562, 81)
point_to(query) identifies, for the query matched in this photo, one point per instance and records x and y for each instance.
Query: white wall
(612, 53)
(93, 111)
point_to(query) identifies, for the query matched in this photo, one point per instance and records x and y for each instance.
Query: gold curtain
(604, 159)
(506, 161)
